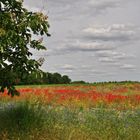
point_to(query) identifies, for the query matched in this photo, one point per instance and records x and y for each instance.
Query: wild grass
(20, 118)
(32, 118)
(26, 120)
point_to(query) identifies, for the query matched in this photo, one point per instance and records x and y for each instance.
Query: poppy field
(72, 112)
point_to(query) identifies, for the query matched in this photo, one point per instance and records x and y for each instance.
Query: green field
(109, 111)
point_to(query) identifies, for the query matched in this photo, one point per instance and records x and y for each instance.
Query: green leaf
(18, 26)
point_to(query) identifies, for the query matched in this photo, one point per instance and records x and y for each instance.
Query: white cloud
(115, 32)
(68, 71)
(103, 4)
(107, 60)
(85, 47)
(114, 54)
(128, 67)
(67, 9)
(68, 67)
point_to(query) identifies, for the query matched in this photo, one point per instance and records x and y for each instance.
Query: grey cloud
(65, 9)
(114, 54)
(89, 4)
(70, 9)
(107, 60)
(128, 67)
(68, 71)
(102, 74)
(124, 56)
(89, 69)
(111, 37)
(103, 4)
(68, 67)
(108, 53)
(85, 47)
(84, 69)
(97, 72)
(74, 46)
(115, 32)
(81, 28)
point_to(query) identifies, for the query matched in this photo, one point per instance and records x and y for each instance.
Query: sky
(91, 40)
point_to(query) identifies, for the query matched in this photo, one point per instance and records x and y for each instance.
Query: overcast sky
(91, 40)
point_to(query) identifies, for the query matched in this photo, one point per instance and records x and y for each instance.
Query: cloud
(67, 9)
(84, 47)
(75, 46)
(108, 38)
(115, 32)
(81, 28)
(114, 55)
(128, 67)
(85, 67)
(107, 60)
(89, 69)
(85, 5)
(103, 4)
(96, 72)
(67, 71)
(68, 67)
(114, 58)
(108, 53)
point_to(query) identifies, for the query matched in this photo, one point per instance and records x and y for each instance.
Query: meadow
(107, 111)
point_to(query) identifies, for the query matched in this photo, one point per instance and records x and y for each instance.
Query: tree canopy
(44, 78)
(18, 28)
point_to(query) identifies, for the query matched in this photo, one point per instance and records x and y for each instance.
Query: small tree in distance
(17, 25)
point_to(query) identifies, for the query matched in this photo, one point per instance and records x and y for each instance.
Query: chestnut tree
(20, 30)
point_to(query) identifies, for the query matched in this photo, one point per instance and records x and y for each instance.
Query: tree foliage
(17, 27)
(43, 78)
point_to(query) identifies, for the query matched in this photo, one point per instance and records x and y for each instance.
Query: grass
(32, 117)
(60, 123)
(19, 118)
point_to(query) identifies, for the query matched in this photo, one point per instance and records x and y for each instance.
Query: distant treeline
(105, 82)
(43, 78)
(40, 78)
(116, 82)
(56, 78)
